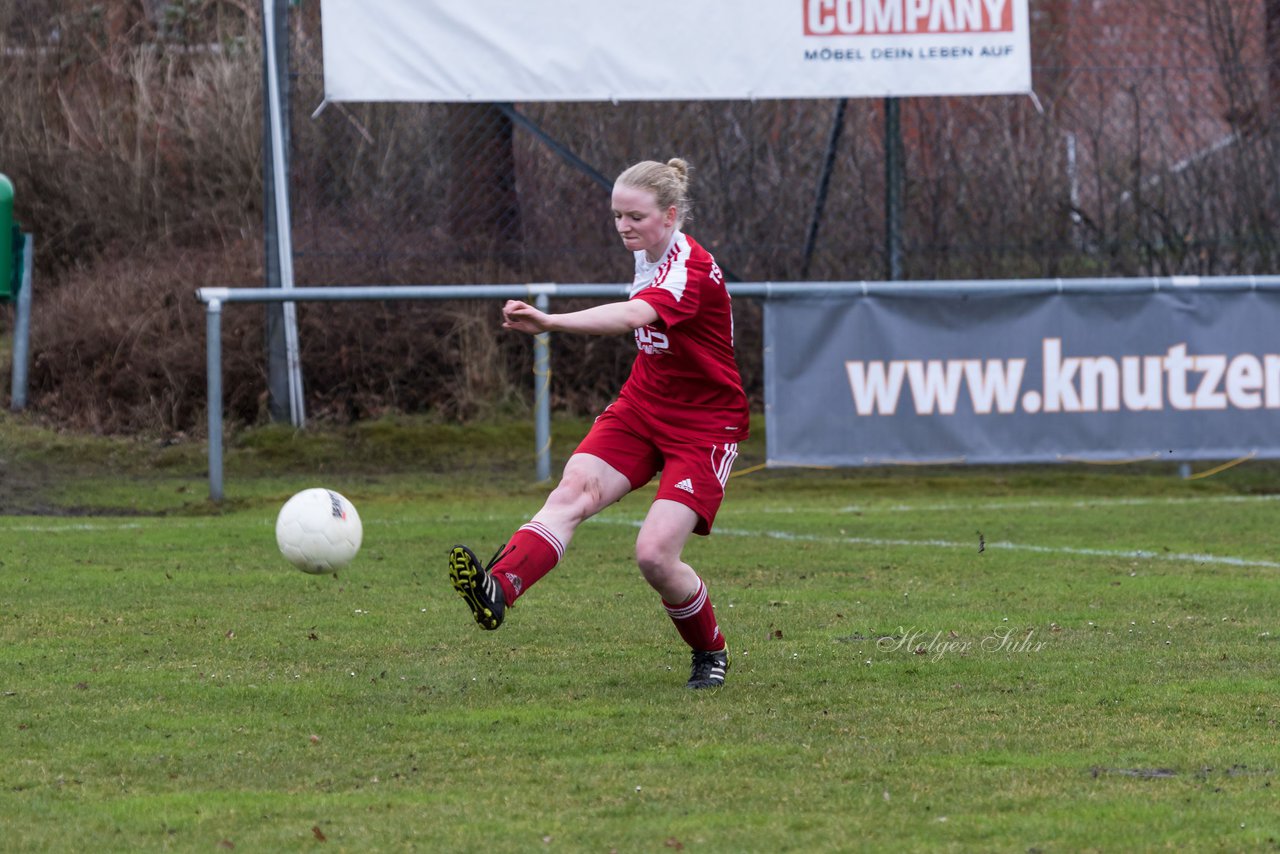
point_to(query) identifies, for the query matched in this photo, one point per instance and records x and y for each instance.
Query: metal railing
(541, 294)
(214, 298)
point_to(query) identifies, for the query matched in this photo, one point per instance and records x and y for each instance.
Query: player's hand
(523, 317)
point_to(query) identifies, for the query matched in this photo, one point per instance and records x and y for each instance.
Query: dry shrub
(119, 138)
(120, 347)
(364, 359)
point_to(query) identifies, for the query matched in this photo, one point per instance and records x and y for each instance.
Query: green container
(8, 275)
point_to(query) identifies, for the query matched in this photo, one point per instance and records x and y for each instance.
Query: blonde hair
(669, 183)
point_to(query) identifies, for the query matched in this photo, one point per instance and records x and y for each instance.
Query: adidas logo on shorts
(686, 485)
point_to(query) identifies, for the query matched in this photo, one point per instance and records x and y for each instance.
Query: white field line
(1129, 554)
(72, 526)
(174, 523)
(1080, 504)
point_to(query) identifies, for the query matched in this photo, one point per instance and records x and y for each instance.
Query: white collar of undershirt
(644, 267)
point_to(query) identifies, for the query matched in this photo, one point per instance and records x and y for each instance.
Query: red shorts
(693, 474)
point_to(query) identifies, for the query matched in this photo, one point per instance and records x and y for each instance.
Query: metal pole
(213, 350)
(1073, 178)
(284, 227)
(542, 395)
(279, 402)
(549, 141)
(824, 182)
(893, 188)
(22, 327)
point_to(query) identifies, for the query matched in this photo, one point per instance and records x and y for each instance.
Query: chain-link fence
(133, 132)
(1148, 149)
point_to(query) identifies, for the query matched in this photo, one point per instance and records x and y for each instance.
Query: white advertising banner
(600, 50)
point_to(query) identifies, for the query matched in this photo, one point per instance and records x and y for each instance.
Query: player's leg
(659, 546)
(684, 595)
(610, 461)
(588, 485)
(689, 496)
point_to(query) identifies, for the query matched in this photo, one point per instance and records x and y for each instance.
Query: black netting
(1148, 149)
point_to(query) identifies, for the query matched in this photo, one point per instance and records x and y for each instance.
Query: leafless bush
(121, 138)
(122, 349)
(120, 346)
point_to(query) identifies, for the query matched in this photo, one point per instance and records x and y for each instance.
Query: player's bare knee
(575, 498)
(656, 576)
(654, 562)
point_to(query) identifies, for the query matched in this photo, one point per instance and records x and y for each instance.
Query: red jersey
(685, 377)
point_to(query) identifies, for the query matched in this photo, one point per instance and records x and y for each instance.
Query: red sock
(531, 553)
(696, 621)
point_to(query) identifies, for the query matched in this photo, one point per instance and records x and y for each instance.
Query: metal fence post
(22, 328)
(213, 330)
(279, 402)
(283, 219)
(893, 188)
(542, 394)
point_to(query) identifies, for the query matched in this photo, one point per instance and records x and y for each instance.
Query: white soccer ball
(319, 531)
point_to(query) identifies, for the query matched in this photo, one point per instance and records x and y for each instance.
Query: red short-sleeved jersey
(685, 377)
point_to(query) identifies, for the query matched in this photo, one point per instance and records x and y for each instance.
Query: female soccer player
(682, 412)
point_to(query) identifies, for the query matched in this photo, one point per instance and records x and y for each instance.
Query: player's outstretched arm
(613, 318)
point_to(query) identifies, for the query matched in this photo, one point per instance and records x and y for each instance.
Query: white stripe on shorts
(725, 465)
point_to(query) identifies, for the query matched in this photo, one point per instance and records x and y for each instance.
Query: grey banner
(989, 377)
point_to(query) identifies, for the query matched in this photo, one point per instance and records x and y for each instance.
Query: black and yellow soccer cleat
(708, 669)
(476, 586)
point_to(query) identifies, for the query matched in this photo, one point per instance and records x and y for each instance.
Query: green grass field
(1022, 659)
